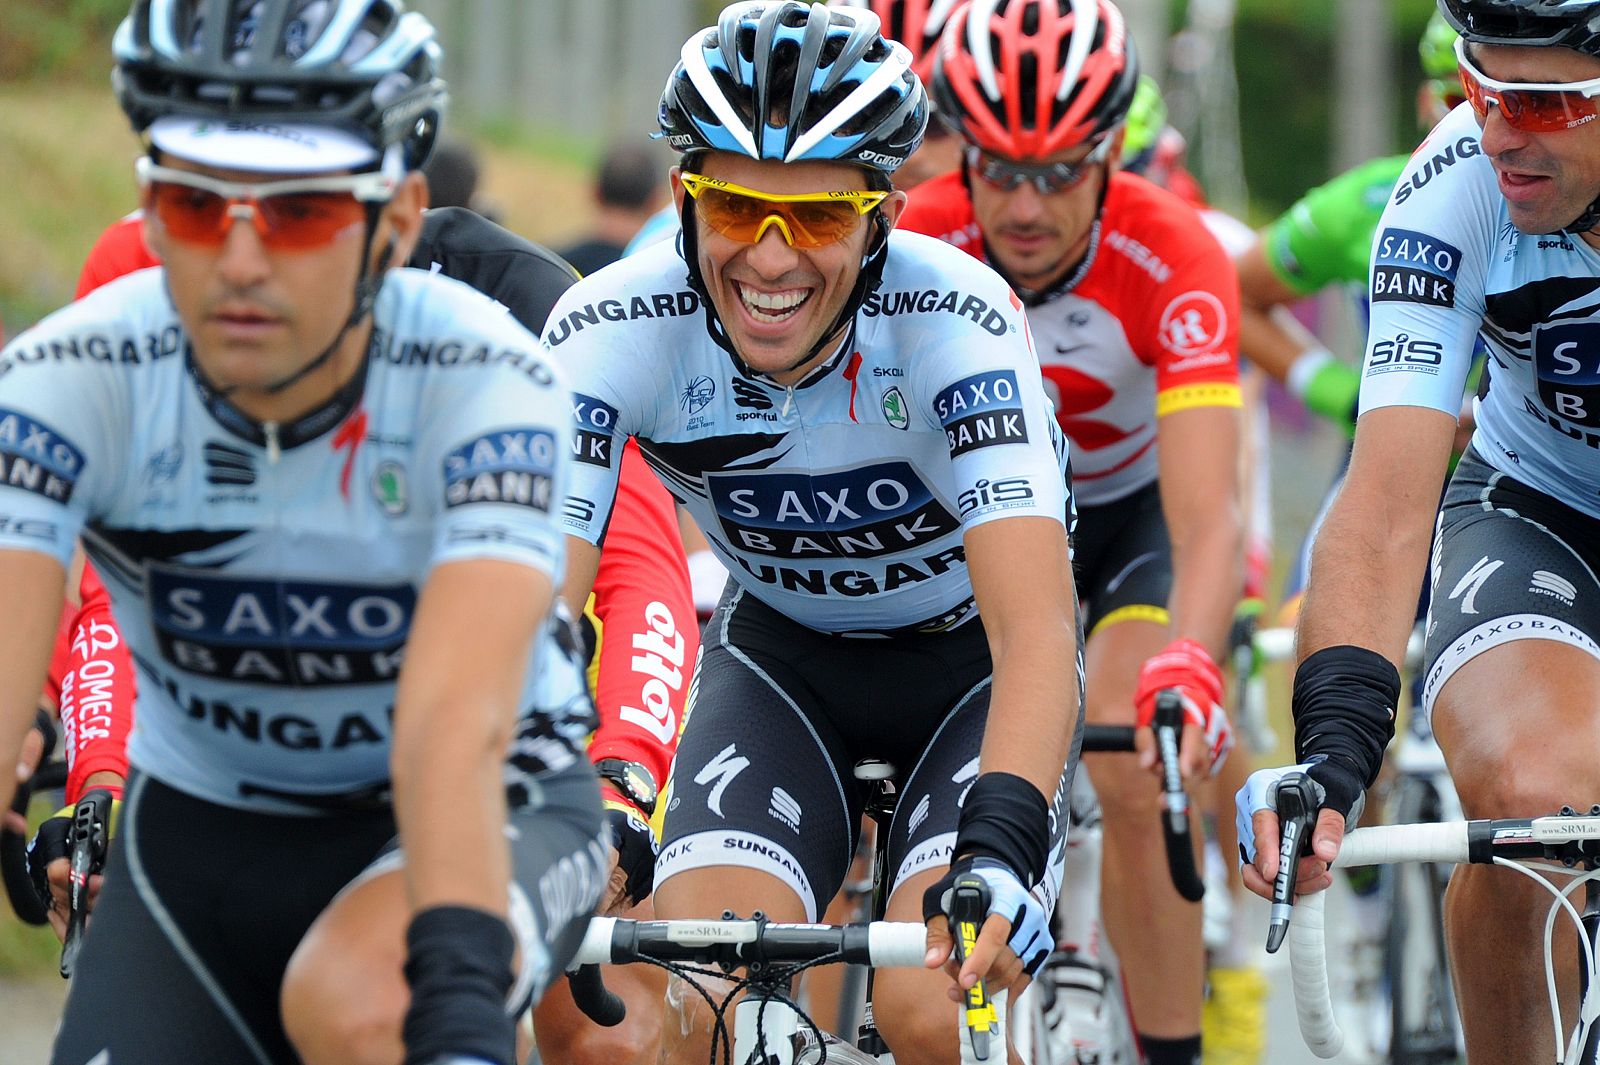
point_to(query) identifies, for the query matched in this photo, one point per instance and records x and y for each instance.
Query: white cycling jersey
(841, 501)
(1448, 265)
(264, 576)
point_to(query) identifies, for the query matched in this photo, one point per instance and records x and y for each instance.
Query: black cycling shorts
(203, 905)
(1122, 560)
(1509, 563)
(780, 714)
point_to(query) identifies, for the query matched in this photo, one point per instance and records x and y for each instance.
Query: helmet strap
(1589, 219)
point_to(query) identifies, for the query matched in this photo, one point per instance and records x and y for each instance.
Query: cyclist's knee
(328, 1024)
(565, 1035)
(914, 1016)
(1128, 794)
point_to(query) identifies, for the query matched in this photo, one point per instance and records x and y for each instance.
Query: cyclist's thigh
(1122, 559)
(201, 908)
(1510, 565)
(760, 781)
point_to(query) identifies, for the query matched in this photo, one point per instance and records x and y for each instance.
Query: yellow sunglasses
(805, 220)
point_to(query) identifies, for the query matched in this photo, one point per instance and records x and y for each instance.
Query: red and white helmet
(1025, 79)
(916, 24)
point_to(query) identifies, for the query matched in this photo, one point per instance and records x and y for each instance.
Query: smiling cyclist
(854, 418)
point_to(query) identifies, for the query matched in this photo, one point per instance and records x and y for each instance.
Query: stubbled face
(1036, 238)
(256, 315)
(1547, 179)
(777, 301)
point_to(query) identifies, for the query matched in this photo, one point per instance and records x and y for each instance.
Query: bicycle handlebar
(20, 892)
(1564, 837)
(1175, 824)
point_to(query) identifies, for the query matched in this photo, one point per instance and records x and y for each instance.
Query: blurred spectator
(631, 186)
(453, 178)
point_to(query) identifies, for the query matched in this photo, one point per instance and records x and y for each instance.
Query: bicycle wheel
(1424, 1028)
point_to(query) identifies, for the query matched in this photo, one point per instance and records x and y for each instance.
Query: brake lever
(91, 831)
(968, 906)
(1297, 799)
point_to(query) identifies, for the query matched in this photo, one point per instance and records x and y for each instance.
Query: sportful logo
(1553, 585)
(722, 769)
(785, 809)
(1471, 584)
(746, 394)
(228, 465)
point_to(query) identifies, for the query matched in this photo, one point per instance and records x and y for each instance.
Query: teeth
(772, 306)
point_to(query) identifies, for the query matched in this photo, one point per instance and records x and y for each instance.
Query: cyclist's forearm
(1208, 573)
(1033, 709)
(33, 583)
(449, 801)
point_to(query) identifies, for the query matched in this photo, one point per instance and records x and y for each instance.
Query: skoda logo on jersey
(981, 411)
(856, 513)
(37, 459)
(697, 394)
(894, 409)
(1566, 359)
(510, 466)
(290, 633)
(389, 488)
(1412, 267)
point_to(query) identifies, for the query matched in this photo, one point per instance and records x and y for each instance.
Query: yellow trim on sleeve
(1134, 612)
(1186, 397)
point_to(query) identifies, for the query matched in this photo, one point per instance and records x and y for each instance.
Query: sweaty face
(1036, 238)
(1547, 179)
(256, 315)
(777, 301)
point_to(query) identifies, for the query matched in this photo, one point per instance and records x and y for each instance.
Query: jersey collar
(291, 434)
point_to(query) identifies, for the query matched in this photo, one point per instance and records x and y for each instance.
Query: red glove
(1186, 666)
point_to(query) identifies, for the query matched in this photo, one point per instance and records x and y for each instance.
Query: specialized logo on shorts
(856, 513)
(511, 466)
(1554, 585)
(784, 807)
(1566, 360)
(1405, 352)
(722, 769)
(37, 459)
(981, 411)
(1193, 324)
(291, 633)
(596, 421)
(1411, 267)
(1472, 583)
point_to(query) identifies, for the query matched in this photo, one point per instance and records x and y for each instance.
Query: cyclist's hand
(1186, 666)
(1332, 390)
(49, 867)
(634, 850)
(1015, 938)
(1257, 825)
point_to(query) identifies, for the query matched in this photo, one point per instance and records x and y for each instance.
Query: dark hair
(452, 174)
(632, 176)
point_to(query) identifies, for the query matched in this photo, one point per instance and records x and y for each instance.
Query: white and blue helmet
(790, 81)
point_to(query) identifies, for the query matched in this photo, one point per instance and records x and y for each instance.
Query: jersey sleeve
(1192, 328)
(119, 250)
(983, 386)
(648, 638)
(1326, 237)
(1430, 260)
(602, 418)
(501, 459)
(56, 419)
(97, 690)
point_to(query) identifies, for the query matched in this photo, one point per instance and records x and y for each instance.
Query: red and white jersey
(1151, 329)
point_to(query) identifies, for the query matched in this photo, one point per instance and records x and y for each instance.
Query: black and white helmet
(784, 80)
(1571, 24)
(368, 68)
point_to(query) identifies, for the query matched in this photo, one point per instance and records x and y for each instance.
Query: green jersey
(1326, 237)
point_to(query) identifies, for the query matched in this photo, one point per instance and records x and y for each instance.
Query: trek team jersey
(841, 501)
(264, 575)
(1448, 265)
(1149, 330)
(1326, 237)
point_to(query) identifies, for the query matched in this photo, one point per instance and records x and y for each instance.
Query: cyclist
(854, 418)
(279, 486)
(638, 629)
(1490, 232)
(1135, 309)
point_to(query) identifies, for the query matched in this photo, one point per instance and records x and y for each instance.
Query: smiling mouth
(772, 307)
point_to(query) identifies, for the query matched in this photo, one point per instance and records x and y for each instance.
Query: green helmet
(1438, 49)
(1147, 117)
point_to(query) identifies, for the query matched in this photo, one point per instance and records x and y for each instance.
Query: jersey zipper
(788, 401)
(270, 430)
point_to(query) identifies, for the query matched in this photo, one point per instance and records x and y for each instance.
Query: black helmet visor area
(1537, 23)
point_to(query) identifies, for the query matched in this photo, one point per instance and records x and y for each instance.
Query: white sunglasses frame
(368, 187)
(1588, 89)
